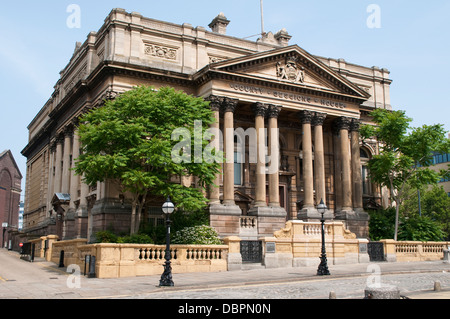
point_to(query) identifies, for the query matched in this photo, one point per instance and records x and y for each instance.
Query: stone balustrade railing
(414, 250)
(130, 260)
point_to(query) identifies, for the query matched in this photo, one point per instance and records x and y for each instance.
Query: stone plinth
(382, 292)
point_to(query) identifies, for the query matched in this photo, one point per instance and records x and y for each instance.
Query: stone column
(308, 178)
(356, 166)
(215, 103)
(343, 126)
(260, 195)
(58, 165)
(319, 158)
(65, 183)
(225, 218)
(229, 106)
(274, 151)
(74, 179)
(51, 164)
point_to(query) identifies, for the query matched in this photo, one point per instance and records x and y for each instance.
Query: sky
(409, 38)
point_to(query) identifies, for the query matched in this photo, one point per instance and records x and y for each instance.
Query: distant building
(316, 103)
(10, 189)
(440, 162)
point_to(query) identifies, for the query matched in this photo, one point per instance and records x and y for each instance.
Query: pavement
(20, 279)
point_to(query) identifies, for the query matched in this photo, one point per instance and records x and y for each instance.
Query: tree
(405, 154)
(436, 205)
(130, 140)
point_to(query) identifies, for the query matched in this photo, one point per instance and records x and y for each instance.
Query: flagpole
(262, 18)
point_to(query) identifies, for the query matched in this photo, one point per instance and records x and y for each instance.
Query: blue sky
(413, 42)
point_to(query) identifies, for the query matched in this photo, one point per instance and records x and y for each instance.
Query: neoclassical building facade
(314, 104)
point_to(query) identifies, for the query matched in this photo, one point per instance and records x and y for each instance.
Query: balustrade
(248, 222)
(315, 229)
(156, 253)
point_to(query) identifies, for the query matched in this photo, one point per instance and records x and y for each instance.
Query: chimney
(219, 24)
(283, 37)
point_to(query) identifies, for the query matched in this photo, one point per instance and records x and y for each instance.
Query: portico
(306, 143)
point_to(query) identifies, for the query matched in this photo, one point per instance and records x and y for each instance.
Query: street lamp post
(4, 226)
(323, 267)
(166, 277)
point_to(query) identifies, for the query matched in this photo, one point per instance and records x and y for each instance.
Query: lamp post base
(323, 267)
(166, 277)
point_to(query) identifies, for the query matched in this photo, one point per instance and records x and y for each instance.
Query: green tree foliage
(420, 228)
(405, 154)
(129, 140)
(435, 205)
(381, 224)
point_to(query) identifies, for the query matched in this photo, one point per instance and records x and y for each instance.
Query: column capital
(75, 122)
(342, 123)
(260, 109)
(215, 102)
(229, 105)
(355, 125)
(273, 111)
(53, 146)
(60, 138)
(306, 117)
(319, 118)
(68, 130)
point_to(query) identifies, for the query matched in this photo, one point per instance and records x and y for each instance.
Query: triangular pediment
(289, 66)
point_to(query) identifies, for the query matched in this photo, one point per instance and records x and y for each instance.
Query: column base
(309, 214)
(270, 219)
(225, 219)
(357, 221)
(267, 211)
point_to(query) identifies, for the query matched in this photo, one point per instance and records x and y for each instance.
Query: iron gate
(376, 251)
(251, 251)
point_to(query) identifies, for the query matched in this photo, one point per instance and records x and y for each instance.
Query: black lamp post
(166, 277)
(323, 267)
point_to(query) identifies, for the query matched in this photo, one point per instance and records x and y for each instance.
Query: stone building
(315, 103)
(10, 190)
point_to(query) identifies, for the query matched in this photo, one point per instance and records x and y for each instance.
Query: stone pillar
(65, 183)
(260, 113)
(319, 157)
(229, 106)
(58, 165)
(274, 151)
(273, 217)
(51, 165)
(356, 166)
(215, 103)
(308, 178)
(343, 126)
(74, 179)
(225, 218)
(355, 220)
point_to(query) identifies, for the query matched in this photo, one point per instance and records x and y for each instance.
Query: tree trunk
(133, 218)
(397, 211)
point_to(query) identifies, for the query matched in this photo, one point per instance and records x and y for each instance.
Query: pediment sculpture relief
(290, 71)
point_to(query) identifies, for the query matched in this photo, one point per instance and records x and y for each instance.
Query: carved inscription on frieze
(159, 51)
(250, 89)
